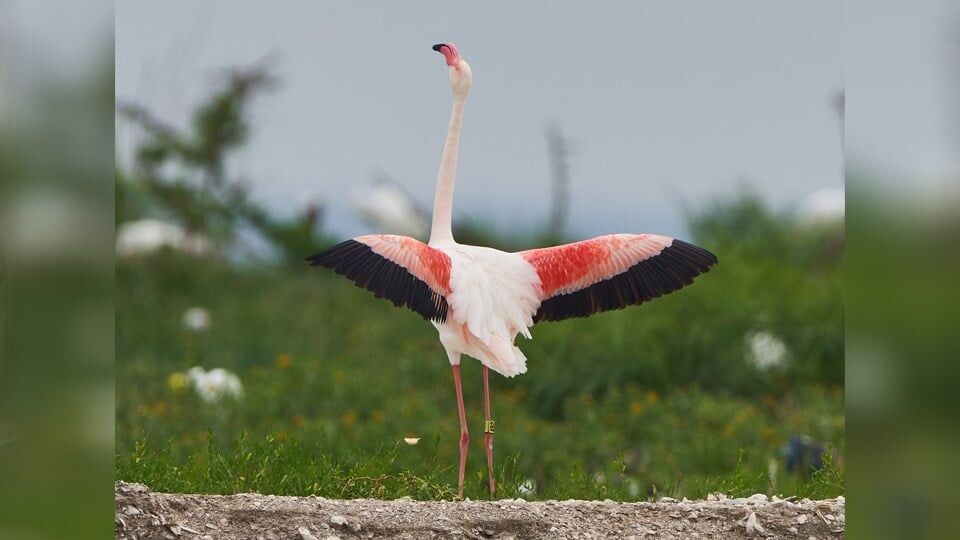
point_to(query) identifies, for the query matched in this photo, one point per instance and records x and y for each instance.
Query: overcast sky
(668, 104)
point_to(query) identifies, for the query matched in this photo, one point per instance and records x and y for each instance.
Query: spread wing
(403, 270)
(612, 272)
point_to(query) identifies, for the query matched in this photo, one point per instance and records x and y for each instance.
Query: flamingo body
(480, 298)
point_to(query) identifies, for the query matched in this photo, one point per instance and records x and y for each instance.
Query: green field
(659, 399)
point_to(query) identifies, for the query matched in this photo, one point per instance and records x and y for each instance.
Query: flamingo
(480, 298)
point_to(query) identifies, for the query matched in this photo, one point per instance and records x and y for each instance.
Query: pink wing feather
(612, 272)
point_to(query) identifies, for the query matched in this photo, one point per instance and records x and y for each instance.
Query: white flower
(411, 440)
(527, 488)
(40, 224)
(196, 319)
(149, 235)
(214, 385)
(765, 351)
(387, 207)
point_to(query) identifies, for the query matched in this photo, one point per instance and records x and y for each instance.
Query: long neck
(442, 228)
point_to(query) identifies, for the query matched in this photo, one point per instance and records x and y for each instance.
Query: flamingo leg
(488, 427)
(464, 434)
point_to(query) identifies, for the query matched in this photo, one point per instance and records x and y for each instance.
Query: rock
(124, 487)
(753, 526)
(185, 528)
(305, 534)
(338, 520)
(667, 500)
(802, 518)
(131, 510)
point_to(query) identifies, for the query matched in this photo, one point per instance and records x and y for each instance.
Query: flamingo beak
(449, 51)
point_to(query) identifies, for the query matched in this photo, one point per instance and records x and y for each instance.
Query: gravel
(141, 513)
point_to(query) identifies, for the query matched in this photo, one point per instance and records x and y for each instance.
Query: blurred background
(246, 138)
(56, 269)
(250, 137)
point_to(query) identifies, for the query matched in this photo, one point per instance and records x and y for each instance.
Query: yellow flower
(652, 396)
(636, 407)
(348, 418)
(177, 381)
(298, 421)
(378, 416)
(283, 361)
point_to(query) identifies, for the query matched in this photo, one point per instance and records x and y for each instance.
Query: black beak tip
(437, 46)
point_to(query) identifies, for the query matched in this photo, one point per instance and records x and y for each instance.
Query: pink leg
(488, 427)
(464, 434)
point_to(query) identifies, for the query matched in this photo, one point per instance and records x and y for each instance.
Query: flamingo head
(461, 78)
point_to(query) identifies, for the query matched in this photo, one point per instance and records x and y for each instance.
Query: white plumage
(494, 295)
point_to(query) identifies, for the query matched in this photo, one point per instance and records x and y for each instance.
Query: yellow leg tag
(488, 426)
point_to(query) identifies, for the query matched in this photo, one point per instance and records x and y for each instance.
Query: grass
(290, 467)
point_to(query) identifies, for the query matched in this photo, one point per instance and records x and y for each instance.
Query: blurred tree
(183, 174)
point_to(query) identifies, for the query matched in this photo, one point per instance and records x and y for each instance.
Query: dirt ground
(142, 514)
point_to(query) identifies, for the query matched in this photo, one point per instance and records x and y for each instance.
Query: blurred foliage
(183, 176)
(56, 287)
(903, 306)
(660, 399)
